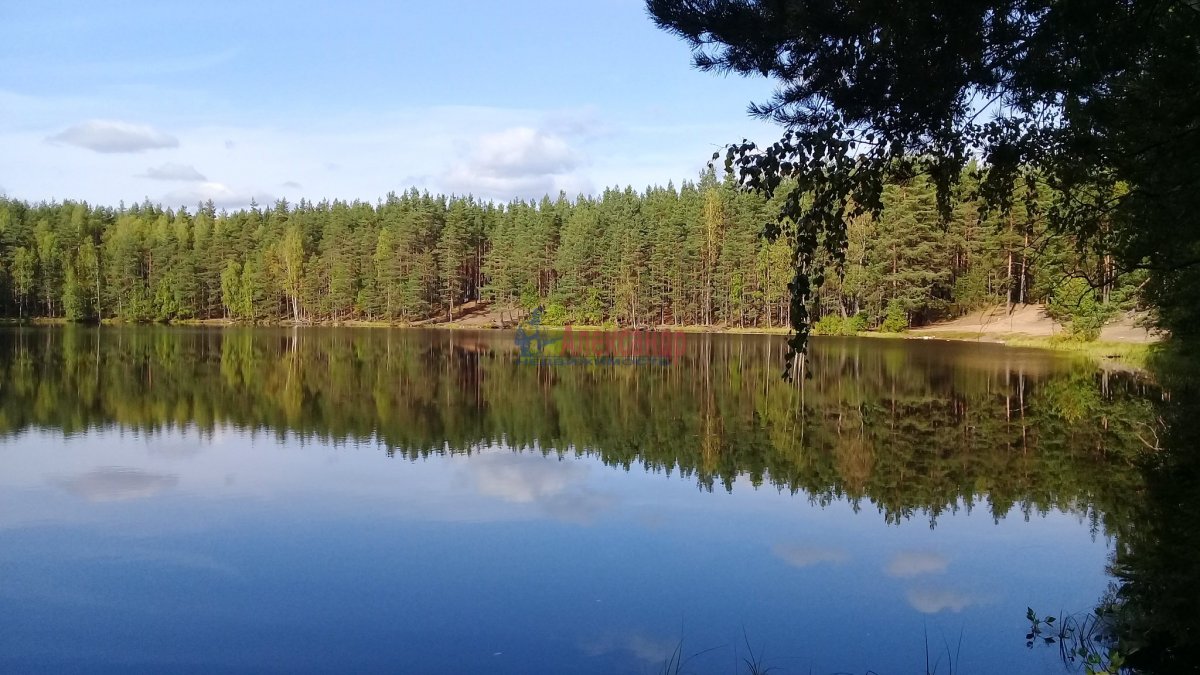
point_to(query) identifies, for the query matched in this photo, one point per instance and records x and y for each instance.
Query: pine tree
(24, 269)
(231, 290)
(49, 264)
(713, 233)
(452, 256)
(291, 257)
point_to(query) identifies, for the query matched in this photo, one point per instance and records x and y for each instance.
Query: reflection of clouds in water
(907, 564)
(641, 647)
(555, 486)
(932, 600)
(522, 479)
(112, 483)
(807, 556)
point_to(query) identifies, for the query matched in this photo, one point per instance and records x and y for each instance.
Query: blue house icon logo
(531, 338)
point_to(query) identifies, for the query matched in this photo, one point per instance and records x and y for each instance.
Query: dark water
(406, 501)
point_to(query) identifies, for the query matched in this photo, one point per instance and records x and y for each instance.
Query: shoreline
(1126, 355)
(1130, 354)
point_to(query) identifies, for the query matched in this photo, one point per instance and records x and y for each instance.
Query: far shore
(1130, 350)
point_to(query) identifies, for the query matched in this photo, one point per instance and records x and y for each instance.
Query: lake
(337, 499)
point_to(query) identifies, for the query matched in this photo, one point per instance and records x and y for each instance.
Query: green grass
(1135, 353)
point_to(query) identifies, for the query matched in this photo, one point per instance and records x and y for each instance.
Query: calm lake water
(420, 501)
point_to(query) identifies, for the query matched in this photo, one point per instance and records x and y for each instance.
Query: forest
(665, 256)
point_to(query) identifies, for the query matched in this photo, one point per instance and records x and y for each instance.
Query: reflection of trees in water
(855, 461)
(1158, 560)
(910, 428)
(1147, 621)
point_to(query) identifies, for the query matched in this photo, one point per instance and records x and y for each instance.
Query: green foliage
(971, 290)
(857, 323)
(1083, 114)
(896, 319)
(231, 289)
(23, 267)
(830, 324)
(1088, 639)
(74, 297)
(666, 256)
(555, 315)
(1075, 303)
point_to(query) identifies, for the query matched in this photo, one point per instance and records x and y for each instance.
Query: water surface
(340, 499)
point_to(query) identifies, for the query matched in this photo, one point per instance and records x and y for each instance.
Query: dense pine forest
(692, 255)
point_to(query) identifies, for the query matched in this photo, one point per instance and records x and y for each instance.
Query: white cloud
(523, 479)
(642, 647)
(111, 137)
(110, 484)
(807, 556)
(556, 487)
(172, 171)
(519, 162)
(907, 564)
(221, 195)
(936, 600)
(493, 153)
(524, 151)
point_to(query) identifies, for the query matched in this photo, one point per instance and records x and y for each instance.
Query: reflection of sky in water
(242, 550)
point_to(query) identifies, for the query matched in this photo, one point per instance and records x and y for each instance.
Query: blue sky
(179, 102)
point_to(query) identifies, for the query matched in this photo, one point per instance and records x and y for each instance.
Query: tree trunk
(1008, 289)
(1022, 296)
